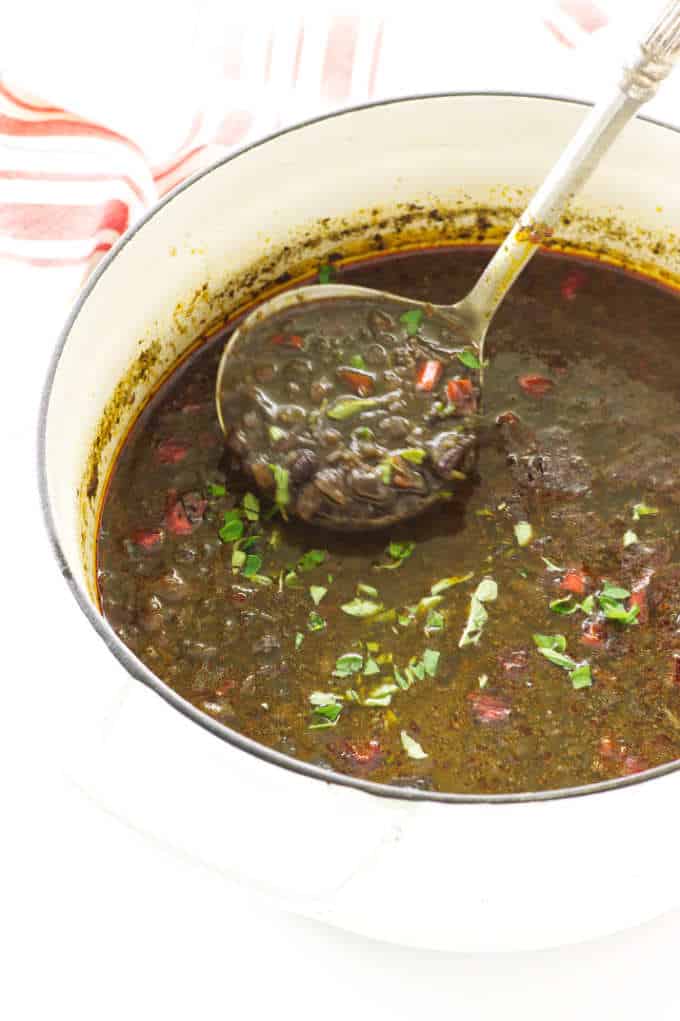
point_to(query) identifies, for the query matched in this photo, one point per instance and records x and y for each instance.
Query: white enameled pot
(437, 871)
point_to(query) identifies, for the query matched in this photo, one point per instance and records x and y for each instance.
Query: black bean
(331, 483)
(375, 355)
(266, 645)
(394, 427)
(303, 466)
(368, 485)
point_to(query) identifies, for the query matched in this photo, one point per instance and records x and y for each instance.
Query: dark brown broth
(603, 438)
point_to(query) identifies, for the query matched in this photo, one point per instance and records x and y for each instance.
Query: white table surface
(100, 922)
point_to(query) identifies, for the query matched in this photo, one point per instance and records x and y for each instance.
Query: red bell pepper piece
(572, 284)
(574, 581)
(362, 383)
(488, 708)
(288, 340)
(172, 451)
(147, 538)
(429, 374)
(535, 386)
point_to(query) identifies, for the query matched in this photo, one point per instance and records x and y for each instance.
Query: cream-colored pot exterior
(454, 875)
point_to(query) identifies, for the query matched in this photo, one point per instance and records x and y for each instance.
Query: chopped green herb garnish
(427, 603)
(350, 663)
(434, 622)
(445, 583)
(362, 432)
(317, 592)
(373, 646)
(315, 622)
(614, 592)
(326, 715)
(252, 565)
(238, 558)
(551, 566)
(486, 592)
(312, 558)
(357, 362)
(262, 579)
(524, 533)
(346, 407)
(251, 507)
(299, 639)
(412, 320)
(361, 608)
(325, 273)
(630, 538)
(281, 478)
(367, 590)
(413, 454)
(290, 579)
(588, 604)
(276, 433)
(614, 610)
(411, 747)
(581, 677)
(398, 551)
(641, 510)
(370, 667)
(232, 529)
(469, 359)
(431, 661)
(385, 468)
(553, 648)
(404, 619)
(403, 682)
(381, 695)
(215, 489)
(564, 606)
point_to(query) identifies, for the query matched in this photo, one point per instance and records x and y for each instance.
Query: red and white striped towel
(69, 185)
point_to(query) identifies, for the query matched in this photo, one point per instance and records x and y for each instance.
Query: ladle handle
(639, 82)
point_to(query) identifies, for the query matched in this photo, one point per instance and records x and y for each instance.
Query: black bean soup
(522, 635)
(351, 415)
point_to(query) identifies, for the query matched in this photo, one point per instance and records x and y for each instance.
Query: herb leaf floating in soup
(345, 650)
(340, 411)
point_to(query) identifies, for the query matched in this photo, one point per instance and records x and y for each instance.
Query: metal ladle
(470, 317)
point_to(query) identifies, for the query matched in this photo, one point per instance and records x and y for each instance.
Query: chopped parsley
(325, 273)
(445, 583)
(553, 647)
(251, 507)
(430, 662)
(399, 552)
(412, 320)
(215, 489)
(434, 622)
(281, 478)
(641, 510)
(524, 533)
(315, 621)
(252, 565)
(348, 664)
(312, 558)
(367, 590)
(469, 359)
(347, 407)
(564, 606)
(276, 433)
(299, 639)
(486, 592)
(370, 667)
(415, 455)
(357, 362)
(233, 527)
(411, 747)
(317, 592)
(361, 608)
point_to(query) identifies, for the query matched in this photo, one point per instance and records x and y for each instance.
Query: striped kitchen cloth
(70, 184)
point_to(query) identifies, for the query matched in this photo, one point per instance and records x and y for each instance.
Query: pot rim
(126, 657)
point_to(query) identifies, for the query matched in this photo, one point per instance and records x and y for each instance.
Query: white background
(97, 921)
